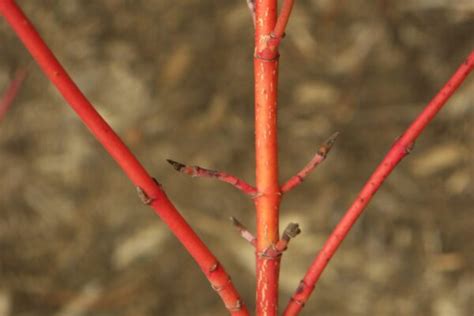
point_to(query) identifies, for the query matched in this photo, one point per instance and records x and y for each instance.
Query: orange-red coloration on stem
(283, 18)
(314, 162)
(12, 91)
(216, 275)
(398, 151)
(266, 152)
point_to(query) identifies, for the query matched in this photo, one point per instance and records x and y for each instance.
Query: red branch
(158, 200)
(398, 151)
(12, 91)
(267, 45)
(196, 171)
(315, 161)
(266, 159)
(283, 17)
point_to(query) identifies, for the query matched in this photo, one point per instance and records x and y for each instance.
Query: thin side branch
(314, 162)
(268, 43)
(12, 91)
(151, 191)
(251, 6)
(399, 150)
(283, 18)
(196, 171)
(274, 40)
(244, 232)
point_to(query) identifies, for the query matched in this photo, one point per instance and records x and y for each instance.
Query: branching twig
(267, 44)
(152, 192)
(267, 204)
(283, 17)
(398, 151)
(12, 90)
(196, 171)
(315, 161)
(244, 232)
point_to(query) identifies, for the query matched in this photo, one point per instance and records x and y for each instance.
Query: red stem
(283, 17)
(314, 162)
(302, 174)
(215, 273)
(266, 153)
(196, 171)
(398, 151)
(12, 91)
(267, 39)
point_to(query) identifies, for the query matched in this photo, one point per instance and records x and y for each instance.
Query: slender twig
(251, 6)
(214, 272)
(268, 44)
(12, 90)
(244, 232)
(399, 150)
(196, 171)
(283, 17)
(314, 162)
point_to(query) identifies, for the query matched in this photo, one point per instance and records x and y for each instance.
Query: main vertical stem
(266, 151)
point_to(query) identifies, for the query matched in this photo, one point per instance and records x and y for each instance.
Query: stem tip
(326, 147)
(177, 165)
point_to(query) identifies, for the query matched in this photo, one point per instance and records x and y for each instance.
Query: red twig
(315, 161)
(283, 17)
(157, 199)
(398, 151)
(196, 171)
(268, 44)
(12, 90)
(244, 232)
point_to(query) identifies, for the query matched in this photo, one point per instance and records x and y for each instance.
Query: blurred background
(174, 79)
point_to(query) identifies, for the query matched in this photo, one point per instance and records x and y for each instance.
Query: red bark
(158, 200)
(196, 171)
(268, 34)
(399, 150)
(313, 163)
(266, 153)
